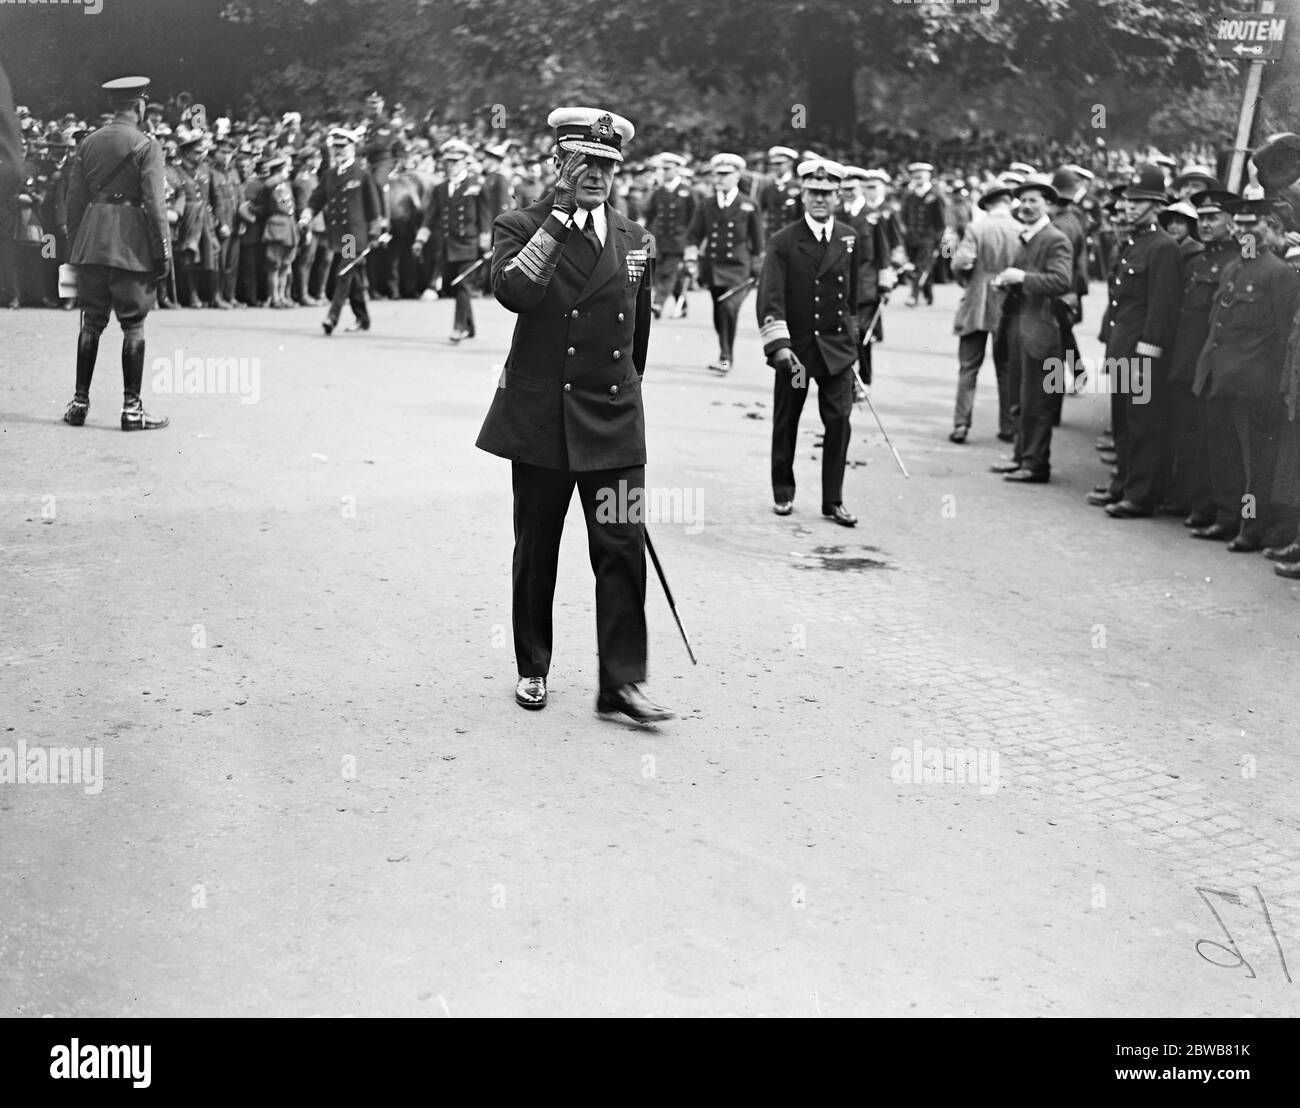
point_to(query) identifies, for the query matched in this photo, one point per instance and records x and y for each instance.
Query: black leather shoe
(1004, 467)
(1242, 545)
(1004, 436)
(958, 435)
(1101, 488)
(1215, 531)
(328, 325)
(1197, 520)
(837, 513)
(1102, 497)
(1289, 553)
(1288, 569)
(135, 418)
(783, 507)
(722, 365)
(630, 701)
(1026, 477)
(530, 693)
(1127, 509)
(76, 413)
(360, 325)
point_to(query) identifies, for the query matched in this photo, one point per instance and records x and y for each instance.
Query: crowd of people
(1202, 357)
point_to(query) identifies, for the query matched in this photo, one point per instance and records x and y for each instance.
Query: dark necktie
(588, 251)
(822, 242)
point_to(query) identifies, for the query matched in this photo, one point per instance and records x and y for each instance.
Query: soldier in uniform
(668, 216)
(1139, 331)
(350, 202)
(120, 245)
(381, 147)
(227, 192)
(924, 215)
(568, 408)
(1192, 490)
(1240, 374)
(458, 211)
(196, 236)
(729, 228)
(807, 313)
(780, 199)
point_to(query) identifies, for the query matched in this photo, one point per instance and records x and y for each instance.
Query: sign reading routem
(1249, 36)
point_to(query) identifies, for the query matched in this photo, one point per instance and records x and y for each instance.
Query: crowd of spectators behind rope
(234, 246)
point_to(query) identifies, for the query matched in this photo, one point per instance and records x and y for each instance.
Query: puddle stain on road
(838, 559)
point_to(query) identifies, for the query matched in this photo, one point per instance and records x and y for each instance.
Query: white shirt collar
(1031, 229)
(819, 230)
(343, 167)
(858, 204)
(924, 188)
(726, 199)
(672, 185)
(601, 222)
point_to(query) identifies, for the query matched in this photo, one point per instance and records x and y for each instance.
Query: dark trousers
(834, 405)
(463, 318)
(102, 289)
(1143, 451)
(617, 549)
(1193, 491)
(229, 267)
(1244, 437)
(726, 313)
(970, 357)
(252, 272)
(350, 287)
(1033, 448)
(922, 255)
(667, 267)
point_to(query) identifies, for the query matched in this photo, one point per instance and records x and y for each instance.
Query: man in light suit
(1043, 270)
(988, 247)
(567, 410)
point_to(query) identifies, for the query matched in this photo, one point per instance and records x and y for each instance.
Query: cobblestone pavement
(285, 624)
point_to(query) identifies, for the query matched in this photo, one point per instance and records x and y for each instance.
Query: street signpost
(1254, 37)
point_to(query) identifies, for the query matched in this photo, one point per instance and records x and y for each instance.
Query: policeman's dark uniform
(458, 212)
(120, 242)
(1192, 488)
(807, 303)
(1240, 374)
(568, 409)
(668, 216)
(1139, 328)
(732, 252)
(350, 202)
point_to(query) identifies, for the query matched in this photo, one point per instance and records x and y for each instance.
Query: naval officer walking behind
(567, 409)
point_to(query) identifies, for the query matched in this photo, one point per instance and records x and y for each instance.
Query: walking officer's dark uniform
(120, 245)
(458, 212)
(568, 408)
(728, 226)
(353, 212)
(781, 199)
(668, 216)
(807, 314)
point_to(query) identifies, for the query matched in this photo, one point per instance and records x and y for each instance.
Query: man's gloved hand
(888, 277)
(484, 243)
(384, 239)
(421, 237)
(161, 269)
(566, 187)
(785, 360)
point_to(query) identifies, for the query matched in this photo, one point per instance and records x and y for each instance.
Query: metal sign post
(1259, 36)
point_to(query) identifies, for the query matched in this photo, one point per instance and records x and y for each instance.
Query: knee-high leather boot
(134, 417)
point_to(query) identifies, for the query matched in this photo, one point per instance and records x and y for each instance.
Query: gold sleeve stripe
(538, 258)
(773, 330)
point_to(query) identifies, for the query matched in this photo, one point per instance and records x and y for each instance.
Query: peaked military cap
(591, 131)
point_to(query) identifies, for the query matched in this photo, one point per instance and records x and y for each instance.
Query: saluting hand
(566, 188)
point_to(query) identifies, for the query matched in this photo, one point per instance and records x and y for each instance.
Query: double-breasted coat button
(613, 389)
(620, 317)
(572, 351)
(568, 388)
(574, 313)
(617, 354)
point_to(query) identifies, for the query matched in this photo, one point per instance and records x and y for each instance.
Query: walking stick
(354, 262)
(899, 460)
(744, 286)
(871, 327)
(669, 593)
(468, 271)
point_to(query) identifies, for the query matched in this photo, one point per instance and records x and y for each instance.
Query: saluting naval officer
(458, 209)
(117, 222)
(807, 314)
(568, 409)
(729, 227)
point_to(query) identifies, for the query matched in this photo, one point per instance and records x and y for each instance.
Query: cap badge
(603, 128)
